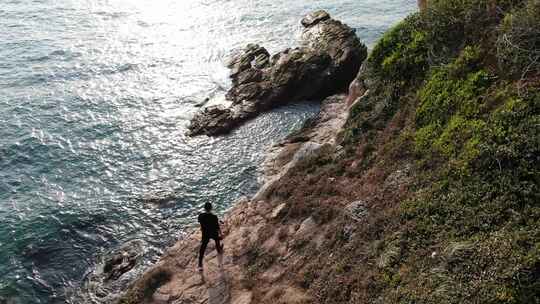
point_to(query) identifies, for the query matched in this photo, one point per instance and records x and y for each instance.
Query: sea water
(95, 98)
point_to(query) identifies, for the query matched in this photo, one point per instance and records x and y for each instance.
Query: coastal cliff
(419, 186)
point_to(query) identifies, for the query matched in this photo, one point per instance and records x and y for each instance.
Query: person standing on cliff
(210, 230)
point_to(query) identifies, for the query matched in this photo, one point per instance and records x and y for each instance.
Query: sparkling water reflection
(96, 96)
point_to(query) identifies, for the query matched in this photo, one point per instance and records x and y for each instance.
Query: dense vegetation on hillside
(454, 104)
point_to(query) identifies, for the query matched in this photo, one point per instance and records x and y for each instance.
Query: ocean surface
(95, 98)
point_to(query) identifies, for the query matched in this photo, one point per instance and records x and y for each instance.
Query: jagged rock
(313, 18)
(357, 210)
(243, 298)
(212, 121)
(398, 178)
(357, 89)
(122, 261)
(307, 150)
(342, 45)
(261, 61)
(278, 210)
(360, 84)
(249, 75)
(327, 60)
(306, 228)
(243, 61)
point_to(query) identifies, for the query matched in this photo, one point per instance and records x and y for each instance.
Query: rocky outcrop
(122, 261)
(326, 61)
(318, 131)
(244, 226)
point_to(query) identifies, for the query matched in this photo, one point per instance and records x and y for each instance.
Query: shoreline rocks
(327, 60)
(245, 224)
(122, 261)
(318, 131)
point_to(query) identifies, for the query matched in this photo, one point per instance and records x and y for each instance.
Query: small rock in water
(212, 120)
(122, 261)
(159, 197)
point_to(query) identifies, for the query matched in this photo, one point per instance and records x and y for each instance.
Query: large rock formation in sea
(327, 60)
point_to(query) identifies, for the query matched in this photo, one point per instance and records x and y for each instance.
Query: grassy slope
(444, 154)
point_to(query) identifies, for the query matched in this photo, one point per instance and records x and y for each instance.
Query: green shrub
(512, 143)
(451, 102)
(461, 137)
(518, 42)
(401, 53)
(470, 226)
(406, 52)
(373, 112)
(494, 205)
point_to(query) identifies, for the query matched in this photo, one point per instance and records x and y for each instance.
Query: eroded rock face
(326, 61)
(314, 18)
(212, 121)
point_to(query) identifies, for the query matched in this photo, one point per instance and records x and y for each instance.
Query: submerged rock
(327, 60)
(122, 261)
(160, 197)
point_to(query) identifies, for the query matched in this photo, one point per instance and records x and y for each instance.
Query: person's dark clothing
(204, 243)
(209, 225)
(210, 230)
